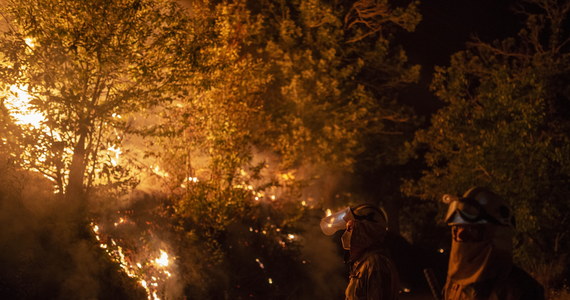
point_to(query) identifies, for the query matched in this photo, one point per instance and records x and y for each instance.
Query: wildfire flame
(19, 107)
(163, 259)
(18, 102)
(115, 154)
(150, 273)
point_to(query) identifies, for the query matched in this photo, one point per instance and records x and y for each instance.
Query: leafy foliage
(247, 102)
(84, 64)
(505, 126)
(330, 93)
(280, 88)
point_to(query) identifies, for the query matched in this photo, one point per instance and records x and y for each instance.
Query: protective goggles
(468, 209)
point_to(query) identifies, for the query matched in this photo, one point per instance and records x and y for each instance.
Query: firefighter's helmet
(478, 205)
(363, 212)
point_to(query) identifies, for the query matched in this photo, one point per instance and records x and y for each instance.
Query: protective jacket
(517, 285)
(373, 277)
(481, 266)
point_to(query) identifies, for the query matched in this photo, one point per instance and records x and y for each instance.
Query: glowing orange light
(163, 259)
(20, 109)
(158, 171)
(115, 154)
(260, 263)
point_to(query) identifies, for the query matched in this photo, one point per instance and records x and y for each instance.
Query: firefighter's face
(468, 233)
(347, 235)
(349, 225)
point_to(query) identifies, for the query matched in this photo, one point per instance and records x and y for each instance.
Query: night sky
(445, 28)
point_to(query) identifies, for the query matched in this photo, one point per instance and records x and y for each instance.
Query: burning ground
(137, 250)
(44, 255)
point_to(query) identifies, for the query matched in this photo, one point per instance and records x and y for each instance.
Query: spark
(328, 212)
(291, 236)
(270, 280)
(260, 263)
(121, 221)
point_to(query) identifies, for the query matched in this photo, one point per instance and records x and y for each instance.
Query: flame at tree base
(151, 268)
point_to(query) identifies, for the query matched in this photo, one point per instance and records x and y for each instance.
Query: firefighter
(372, 273)
(480, 262)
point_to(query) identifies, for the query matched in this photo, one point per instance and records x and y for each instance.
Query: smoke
(317, 188)
(44, 252)
(327, 269)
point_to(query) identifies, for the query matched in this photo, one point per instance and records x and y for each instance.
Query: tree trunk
(75, 190)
